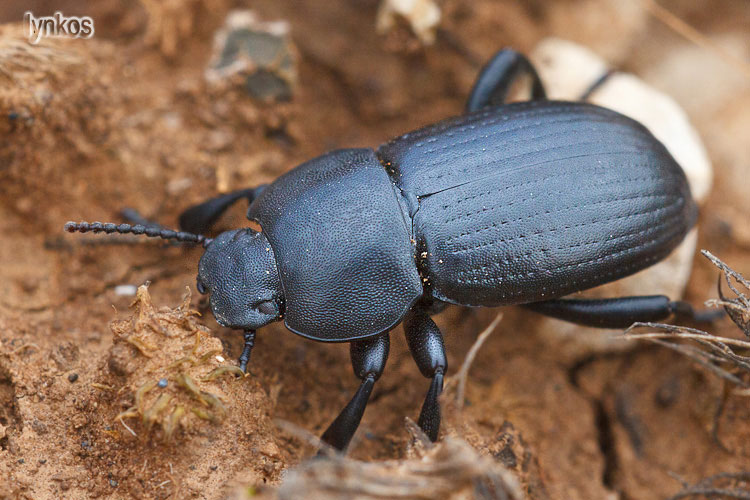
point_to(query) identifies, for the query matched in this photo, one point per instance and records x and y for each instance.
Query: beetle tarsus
(597, 84)
(683, 310)
(429, 417)
(247, 349)
(341, 430)
(428, 350)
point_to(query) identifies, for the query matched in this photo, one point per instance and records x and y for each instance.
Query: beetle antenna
(152, 232)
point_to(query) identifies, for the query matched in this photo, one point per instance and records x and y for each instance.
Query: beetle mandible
(520, 203)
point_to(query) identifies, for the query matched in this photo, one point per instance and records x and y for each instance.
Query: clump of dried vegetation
(722, 355)
(728, 358)
(170, 365)
(451, 469)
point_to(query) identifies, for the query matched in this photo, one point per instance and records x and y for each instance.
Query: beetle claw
(243, 366)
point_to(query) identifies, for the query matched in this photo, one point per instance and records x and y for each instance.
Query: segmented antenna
(152, 232)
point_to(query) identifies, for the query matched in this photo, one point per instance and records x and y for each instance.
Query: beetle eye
(201, 288)
(267, 307)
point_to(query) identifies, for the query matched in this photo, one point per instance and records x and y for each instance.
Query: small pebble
(214, 467)
(260, 51)
(126, 290)
(21, 460)
(42, 461)
(113, 483)
(162, 383)
(72, 377)
(422, 15)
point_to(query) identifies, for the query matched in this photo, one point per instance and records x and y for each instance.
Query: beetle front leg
(199, 218)
(427, 348)
(368, 361)
(498, 76)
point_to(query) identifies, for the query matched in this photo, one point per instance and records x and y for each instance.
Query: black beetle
(519, 203)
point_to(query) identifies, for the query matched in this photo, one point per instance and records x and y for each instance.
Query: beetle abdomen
(532, 201)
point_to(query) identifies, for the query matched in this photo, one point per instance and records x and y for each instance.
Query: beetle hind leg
(428, 350)
(368, 360)
(498, 76)
(620, 312)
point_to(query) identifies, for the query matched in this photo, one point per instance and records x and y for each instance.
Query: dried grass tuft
(451, 469)
(726, 357)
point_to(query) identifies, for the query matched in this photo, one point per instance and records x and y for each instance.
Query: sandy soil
(127, 120)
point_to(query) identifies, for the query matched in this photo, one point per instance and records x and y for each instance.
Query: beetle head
(238, 271)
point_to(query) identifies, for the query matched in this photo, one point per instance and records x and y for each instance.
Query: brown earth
(126, 119)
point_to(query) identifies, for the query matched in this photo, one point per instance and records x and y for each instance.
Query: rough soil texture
(126, 119)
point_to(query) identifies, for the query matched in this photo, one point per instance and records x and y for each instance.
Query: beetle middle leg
(134, 217)
(619, 312)
(199, 218)
(498, 76)
(368, 361)
(428, 350)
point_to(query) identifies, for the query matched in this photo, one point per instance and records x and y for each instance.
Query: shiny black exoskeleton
(518, 203)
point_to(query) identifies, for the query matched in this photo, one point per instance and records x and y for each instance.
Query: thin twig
(304, 435)
(727, 270)
(706, 492)
(635, 336)
(128, 428)
(463, 373)
(695, 36)
(26, 346)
